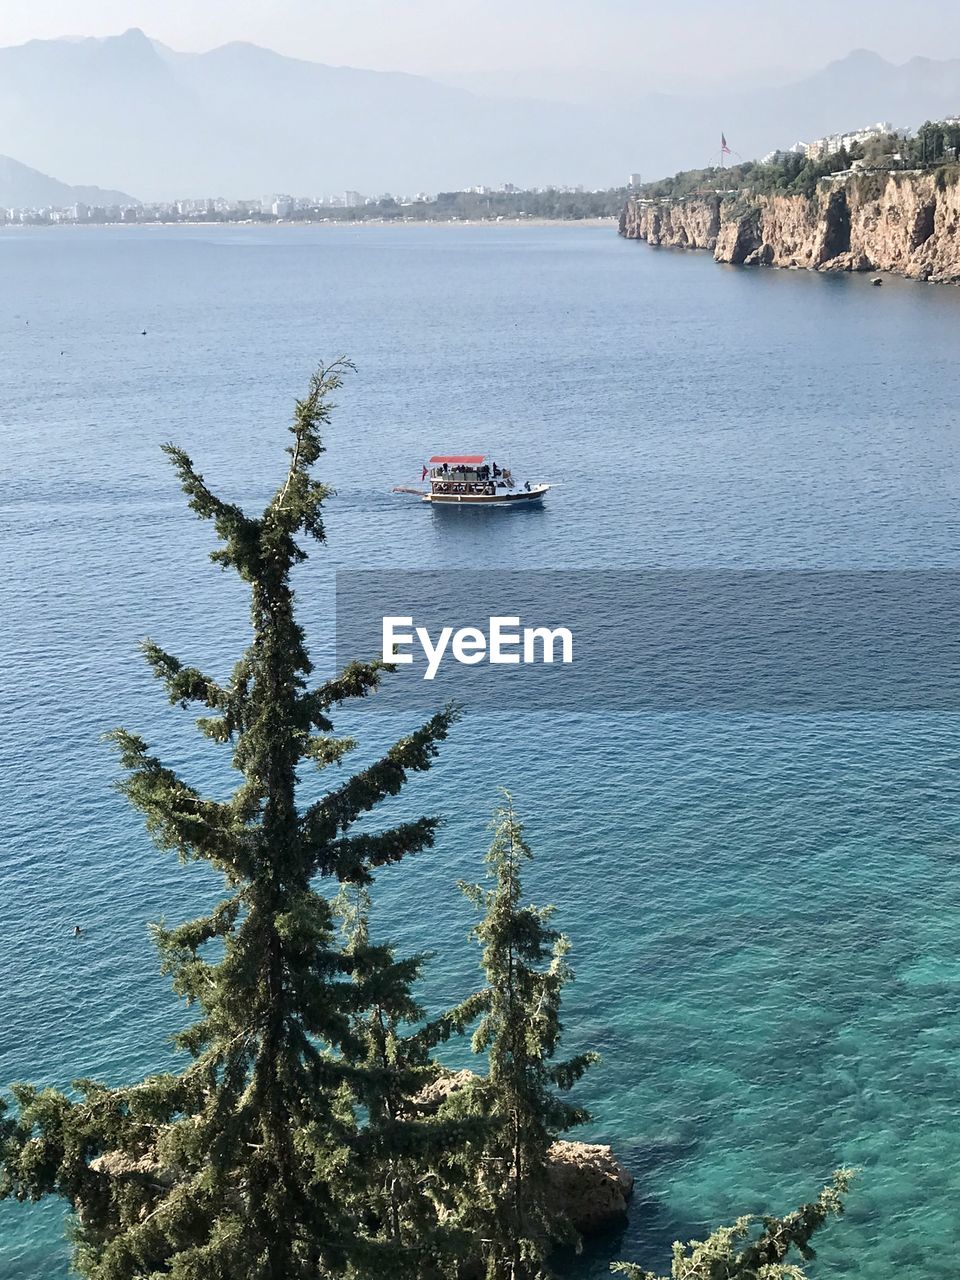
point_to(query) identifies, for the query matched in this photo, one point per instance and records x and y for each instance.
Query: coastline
(611, 221)
(899, 223)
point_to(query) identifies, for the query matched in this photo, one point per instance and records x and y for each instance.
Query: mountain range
(24, 188)
(241, 120)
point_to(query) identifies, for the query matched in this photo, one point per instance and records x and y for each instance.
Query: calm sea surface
(764, 909)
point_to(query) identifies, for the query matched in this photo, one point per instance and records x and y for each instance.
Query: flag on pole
(724, 149)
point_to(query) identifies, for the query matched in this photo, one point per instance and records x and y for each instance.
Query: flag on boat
(423, 474)
(724, 149)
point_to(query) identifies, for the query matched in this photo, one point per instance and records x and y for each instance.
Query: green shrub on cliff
(690, 182)
(793, 173)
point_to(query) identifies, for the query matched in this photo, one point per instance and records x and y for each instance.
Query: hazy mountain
(241, 120)
(25, 188)
(859, 89)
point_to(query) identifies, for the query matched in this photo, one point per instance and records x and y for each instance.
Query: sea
(764, 908)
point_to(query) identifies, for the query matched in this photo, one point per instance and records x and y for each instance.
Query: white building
(834, 142)
(780, 154)
(352, 199)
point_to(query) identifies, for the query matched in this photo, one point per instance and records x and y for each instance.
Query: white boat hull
(503, 498)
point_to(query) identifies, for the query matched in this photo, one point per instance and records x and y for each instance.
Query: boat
(473, 479)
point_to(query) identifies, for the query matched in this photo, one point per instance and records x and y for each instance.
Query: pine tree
(249, 1163)
(418, 1149)
(724, 1256)
(526, 968)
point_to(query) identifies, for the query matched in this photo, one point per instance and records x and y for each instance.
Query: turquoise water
(763, 909)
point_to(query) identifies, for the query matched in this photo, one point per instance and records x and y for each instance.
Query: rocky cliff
(907, 223)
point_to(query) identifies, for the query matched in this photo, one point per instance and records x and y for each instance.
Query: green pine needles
(742, 1252)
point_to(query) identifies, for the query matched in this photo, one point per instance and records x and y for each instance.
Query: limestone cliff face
(907, 223)
(684, 224)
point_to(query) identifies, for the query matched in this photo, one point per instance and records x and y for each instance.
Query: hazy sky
(663, 44)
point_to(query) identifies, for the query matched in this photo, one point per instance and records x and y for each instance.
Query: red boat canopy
(458, 459)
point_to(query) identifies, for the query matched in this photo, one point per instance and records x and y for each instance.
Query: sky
(590, 46)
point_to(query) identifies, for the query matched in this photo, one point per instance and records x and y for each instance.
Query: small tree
(526, 968)
(250, 1163)
(416, 1151)
(725, 1256)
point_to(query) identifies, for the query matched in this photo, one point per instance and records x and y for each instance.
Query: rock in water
(592, 1186)
(432, 1096)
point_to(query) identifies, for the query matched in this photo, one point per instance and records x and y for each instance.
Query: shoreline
(895, 223)
(610, 221)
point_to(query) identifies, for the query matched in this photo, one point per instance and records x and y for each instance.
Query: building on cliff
(834, 142)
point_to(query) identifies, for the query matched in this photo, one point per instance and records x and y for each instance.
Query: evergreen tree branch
(324, 749)
(719, 1257)
(330, 817)
(177, 816)
(356, 680)
(566, 1074)
(352, 858)
(456, 1020)
(184, 684)
(298, 502)
(237, 531)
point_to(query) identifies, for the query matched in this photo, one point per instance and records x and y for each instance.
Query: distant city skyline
(551, 48)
